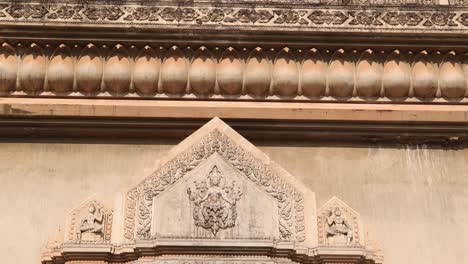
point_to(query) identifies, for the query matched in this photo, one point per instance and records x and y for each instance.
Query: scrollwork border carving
(421, 16)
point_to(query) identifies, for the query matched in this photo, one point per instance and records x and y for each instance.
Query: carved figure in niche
(92, 225)
(215, 202)
(338, 230)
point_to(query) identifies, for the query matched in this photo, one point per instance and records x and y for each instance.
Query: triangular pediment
(214, 194)
(266, 191)
(350, 235)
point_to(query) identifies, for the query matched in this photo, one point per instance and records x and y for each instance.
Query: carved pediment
(91, 222)
(215, 199)
(339, 225)
(252, 183)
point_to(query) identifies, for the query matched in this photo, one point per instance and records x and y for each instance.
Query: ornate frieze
(227, 73)
(303, 16)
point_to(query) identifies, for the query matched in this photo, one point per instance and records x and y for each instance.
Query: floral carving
(214, 202)
(27, 11)
(328, 17)
(362, 2)
(215, 15)
(365, 18)
(110, 13)
(299, 217)
(427, 2)
(290, 17)
(395, 2)
(331, 2)
(178, 14)
(458, 2)
(463, 19)
(253, 16)
(139, 200)
(440, 19)
(229, 15)
(142, 14)
(3, 6)
(395, 19)
(65, 12)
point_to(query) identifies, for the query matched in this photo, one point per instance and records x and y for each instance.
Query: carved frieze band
(425, 15)
(229, 73)
(139, 201)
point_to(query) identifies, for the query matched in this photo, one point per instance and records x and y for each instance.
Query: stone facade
(380, 84)
(213, 193)
(57, 174)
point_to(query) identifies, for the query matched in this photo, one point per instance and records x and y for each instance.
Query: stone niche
(214, 198)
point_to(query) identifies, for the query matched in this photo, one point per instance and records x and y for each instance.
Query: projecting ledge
(138, 109)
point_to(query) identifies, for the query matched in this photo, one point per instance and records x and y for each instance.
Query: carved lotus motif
(214, 202)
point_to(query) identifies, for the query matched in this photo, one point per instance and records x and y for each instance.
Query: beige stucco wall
(414, 200)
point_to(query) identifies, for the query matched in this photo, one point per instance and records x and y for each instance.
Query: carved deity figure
(338, 230)
(92, 225)
(215, 202)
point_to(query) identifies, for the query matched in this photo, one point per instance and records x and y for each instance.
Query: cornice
(407, 124)
(237, 51)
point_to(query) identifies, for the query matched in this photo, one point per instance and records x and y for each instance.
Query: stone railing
(229, 73)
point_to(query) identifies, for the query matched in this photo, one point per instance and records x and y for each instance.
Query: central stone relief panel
(215, 201)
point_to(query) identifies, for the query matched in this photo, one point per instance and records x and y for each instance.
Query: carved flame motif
(215, 202)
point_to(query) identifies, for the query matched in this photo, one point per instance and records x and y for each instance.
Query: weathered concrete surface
(414, 200)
